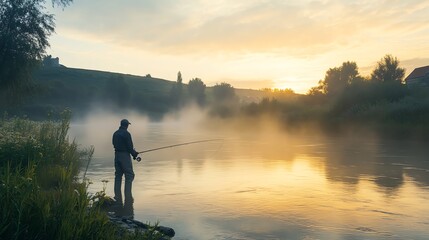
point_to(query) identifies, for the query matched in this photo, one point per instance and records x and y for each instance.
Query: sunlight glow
(290, 43)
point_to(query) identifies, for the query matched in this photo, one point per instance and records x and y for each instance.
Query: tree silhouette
(179, 78)
(388, 70)
(223, 92)
(176, 93)
(24, 31)
(225, 100)
(338, 78)
(196, 89)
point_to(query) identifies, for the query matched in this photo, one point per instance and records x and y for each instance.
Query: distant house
(49, 61)
(419, 77)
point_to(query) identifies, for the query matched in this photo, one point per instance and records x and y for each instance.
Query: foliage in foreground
(40, 196)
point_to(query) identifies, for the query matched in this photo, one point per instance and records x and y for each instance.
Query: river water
(270, 186)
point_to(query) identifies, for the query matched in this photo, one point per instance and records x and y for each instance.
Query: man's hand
(135, 154)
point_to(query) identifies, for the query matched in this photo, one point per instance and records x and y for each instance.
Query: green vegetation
(345, 101)
(196, 89)
(176, 93)
(25, 27)
(224, 100)
(81, 90)
(40, 196)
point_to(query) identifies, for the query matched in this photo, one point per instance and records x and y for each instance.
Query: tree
(224, 104)
(223, 92)
(179, 86)
(338, 78)
(196, 89)
(177, 91)
(179, 78)
(24, 31)
(388, 70)
(315, 91)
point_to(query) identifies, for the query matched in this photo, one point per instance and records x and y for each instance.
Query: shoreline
(123, 217)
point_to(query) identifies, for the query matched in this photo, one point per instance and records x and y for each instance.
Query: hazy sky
(247, 43)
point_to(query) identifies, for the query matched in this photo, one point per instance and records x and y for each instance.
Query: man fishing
(123, 144)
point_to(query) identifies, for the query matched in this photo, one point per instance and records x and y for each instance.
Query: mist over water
(260, 182)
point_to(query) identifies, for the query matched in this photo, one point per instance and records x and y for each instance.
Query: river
(269, 186)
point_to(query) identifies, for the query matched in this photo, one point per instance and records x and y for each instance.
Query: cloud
(241, 40)
(299, 28)
(411, 64)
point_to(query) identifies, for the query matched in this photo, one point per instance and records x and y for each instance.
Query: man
(123, 145)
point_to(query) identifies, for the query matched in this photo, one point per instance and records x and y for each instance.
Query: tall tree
(388, 70)
(196, 89)
(224, 100)
(338, 78)
(179, 78)
(176, 92)
(25, 27)
(223, 92)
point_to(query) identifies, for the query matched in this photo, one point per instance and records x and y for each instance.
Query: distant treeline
(57, 88)
(344, 100)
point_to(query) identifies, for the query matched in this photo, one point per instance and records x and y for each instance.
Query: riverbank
(128, 224)
(40, 196)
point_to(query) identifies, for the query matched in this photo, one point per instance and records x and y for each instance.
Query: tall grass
(40, 197)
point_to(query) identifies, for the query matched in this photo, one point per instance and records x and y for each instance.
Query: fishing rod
(175, 145)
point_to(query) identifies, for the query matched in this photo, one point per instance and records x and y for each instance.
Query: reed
(40, 196)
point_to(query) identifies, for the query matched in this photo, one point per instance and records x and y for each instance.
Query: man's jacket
(122, 141)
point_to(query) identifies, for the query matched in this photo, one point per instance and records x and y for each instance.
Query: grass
(57, 88)
(40, 196)
(80, 90)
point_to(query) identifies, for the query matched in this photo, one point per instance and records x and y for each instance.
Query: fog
(195, 124)
(261, 171)
(189, 124)
(236, 137)
(96, 129)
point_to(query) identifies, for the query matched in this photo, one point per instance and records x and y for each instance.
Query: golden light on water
(270, 183)
(291, 189)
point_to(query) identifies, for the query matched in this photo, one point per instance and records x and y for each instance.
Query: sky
(248, 43)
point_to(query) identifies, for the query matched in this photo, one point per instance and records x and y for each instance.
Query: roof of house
(418, 72)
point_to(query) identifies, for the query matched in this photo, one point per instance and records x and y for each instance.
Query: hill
(81, 90)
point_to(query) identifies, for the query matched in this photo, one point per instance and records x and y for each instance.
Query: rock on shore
(132, 225)
(123, 216)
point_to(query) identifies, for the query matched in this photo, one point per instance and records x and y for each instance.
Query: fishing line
(217, 150)
(138, 159)
(180, 144)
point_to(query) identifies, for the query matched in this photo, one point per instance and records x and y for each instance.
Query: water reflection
(275, 186)
(387, 163)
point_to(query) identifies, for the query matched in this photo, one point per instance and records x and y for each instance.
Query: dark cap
(125, 122)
